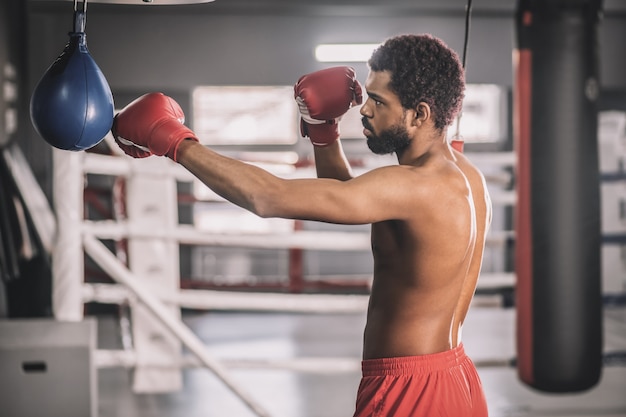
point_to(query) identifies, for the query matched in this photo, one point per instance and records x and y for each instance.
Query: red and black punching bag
(72, 106)
(558, 244)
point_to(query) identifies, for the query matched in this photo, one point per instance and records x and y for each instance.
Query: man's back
(426, 266)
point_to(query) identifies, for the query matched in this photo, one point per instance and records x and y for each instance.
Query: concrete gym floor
(488, 334)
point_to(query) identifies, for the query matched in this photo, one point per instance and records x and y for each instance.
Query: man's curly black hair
(423, 69)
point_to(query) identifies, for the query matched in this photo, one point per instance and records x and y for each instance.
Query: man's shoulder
(409, 174)
(425, 182)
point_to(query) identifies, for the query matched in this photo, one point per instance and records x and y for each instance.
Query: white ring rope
(104, 358)
(236, 301)
(116, 165)
(309, 240)
(270, 302)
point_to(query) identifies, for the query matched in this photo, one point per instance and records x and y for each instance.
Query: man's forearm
(238, 182)
(331, 162)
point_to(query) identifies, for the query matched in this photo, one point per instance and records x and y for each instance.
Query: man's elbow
(264, 205)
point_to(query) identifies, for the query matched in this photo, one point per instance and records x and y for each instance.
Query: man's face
(383, 116)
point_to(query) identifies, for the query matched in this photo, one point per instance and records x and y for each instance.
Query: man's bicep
(369, 198)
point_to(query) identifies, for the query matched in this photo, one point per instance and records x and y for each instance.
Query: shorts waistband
(405, 365)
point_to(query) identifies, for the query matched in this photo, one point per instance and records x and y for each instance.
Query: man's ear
(422, 112)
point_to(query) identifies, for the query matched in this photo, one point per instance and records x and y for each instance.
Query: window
(245, 115)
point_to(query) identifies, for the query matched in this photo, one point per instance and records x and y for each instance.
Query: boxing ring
(150, 286)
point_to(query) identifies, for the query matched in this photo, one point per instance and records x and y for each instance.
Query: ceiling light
(344, 52)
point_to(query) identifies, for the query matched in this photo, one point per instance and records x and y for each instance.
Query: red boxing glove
(323, 97)
(151, 124)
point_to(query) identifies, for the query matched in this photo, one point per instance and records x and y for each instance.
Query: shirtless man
(429, 214)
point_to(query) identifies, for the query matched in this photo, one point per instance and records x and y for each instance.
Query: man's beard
(392, 140)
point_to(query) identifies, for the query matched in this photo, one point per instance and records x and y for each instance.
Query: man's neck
(422, 147)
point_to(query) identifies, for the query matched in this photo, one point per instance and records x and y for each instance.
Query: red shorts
(442, 384)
